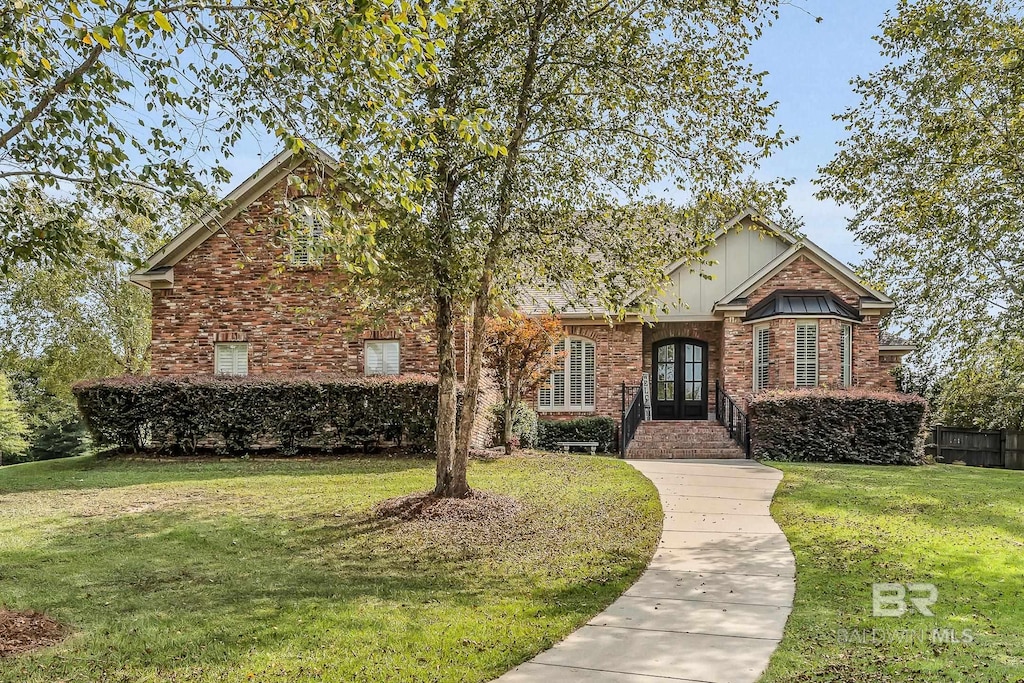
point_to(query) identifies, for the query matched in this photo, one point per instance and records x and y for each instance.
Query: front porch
(684, 363)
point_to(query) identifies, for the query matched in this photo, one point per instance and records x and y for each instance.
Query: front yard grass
(959, 528)
(279, 571)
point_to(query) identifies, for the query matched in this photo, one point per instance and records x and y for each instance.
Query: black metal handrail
(730, 416)
(632, 415)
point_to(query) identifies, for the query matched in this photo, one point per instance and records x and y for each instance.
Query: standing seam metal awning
(803, 303)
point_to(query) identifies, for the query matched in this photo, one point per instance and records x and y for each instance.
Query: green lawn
(278, 571)
(850, 526)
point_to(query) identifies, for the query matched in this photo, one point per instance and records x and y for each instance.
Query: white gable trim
(819, 256)
(774, 230)
(234, 203)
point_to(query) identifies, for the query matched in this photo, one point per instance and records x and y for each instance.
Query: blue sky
(810, 66)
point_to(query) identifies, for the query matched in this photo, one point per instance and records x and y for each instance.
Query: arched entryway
(680, 379)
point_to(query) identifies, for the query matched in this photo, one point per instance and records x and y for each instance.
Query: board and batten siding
(737, 254)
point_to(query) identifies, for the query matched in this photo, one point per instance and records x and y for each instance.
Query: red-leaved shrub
(285, 412)
(838, 425)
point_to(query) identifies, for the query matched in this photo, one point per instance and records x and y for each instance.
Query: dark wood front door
(680, 380)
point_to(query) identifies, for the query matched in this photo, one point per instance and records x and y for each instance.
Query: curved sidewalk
(712, 604)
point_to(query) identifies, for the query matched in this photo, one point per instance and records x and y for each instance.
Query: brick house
(773, 310)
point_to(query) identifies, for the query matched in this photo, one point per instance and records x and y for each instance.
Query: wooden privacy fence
(978, 447)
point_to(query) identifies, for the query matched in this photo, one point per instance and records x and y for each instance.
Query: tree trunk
(482, 299)
(507, 436)
(451, 469)
(474, 370)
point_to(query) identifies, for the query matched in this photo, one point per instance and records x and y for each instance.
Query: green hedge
(239, 414)
(599, 429)
(524, 425)
(836, 425)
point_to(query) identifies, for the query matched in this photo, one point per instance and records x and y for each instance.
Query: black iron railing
(732, 418)
(632, 415)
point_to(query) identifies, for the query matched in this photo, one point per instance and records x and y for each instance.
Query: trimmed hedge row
(239, 414)
(835, 425)
(599, 429)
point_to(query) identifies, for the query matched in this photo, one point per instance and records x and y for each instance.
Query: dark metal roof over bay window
(814, 304)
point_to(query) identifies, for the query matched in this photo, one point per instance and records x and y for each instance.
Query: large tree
(13, 429)
(532, 146)
(933, 168)
(70, 321)
(101, 97)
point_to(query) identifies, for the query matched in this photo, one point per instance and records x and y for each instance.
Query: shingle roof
(890, 339)
(809, 303)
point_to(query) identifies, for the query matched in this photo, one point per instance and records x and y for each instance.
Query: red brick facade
(617, 360)
(234, 288)
(868, 369)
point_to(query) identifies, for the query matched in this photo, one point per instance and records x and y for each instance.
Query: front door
(680, 380)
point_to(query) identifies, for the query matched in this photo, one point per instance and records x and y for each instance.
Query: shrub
(838, 426)
(599, 429)
(64, 438)
(237, 414)
(524, 424)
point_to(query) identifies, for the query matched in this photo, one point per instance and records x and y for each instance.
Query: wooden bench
(566, 445)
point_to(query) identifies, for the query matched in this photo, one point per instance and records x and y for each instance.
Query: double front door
(680, 380)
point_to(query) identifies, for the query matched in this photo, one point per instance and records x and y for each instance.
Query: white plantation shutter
(807, 354)
(231, 359)
(588, 375)
(558, 379)
(576, 373)
(572, 385)
(381, 357)
(308, 226)
(762, 336)
(846, 354)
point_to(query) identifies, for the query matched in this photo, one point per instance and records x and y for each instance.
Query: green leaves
(932, 169)
(114, 97)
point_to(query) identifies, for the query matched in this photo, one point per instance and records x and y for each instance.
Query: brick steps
(683, 439)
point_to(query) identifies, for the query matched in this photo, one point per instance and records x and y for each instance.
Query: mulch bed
(477, 506)
(26, 631)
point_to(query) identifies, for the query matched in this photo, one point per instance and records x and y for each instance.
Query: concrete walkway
(714, 600)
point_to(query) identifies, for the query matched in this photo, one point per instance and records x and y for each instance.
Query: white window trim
(567, 381)
(767, 354)
(382, 343)
(220, 348)
(846, 355)
(796, 353)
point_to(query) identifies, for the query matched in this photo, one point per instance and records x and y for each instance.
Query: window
(231, 359)
(806, 354)
(308, 221)
(381, 357)
(846, 354)
(572, 385)
(762, 336)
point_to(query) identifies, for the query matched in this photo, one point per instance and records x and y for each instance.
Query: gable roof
(808, 249)
(210, 223)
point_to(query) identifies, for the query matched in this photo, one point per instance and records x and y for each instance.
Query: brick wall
(869, 370)
(234, 287)
(803, 273)
(618, 353)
